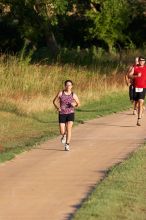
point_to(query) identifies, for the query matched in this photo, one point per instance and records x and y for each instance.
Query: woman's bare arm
(56, 99)
(76, 100)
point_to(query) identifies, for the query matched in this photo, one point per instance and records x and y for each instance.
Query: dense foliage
(52, 24)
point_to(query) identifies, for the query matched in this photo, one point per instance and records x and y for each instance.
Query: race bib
(138, 89)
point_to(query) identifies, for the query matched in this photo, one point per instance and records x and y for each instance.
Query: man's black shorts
(63, 118)
(139, 95)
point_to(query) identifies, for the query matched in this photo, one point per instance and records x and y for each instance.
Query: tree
(106, 23)
(34, 19)
(110, 22)
(136, 28)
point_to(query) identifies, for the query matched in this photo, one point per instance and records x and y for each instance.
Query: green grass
(26, 88)
(20, 132)
(122, 195)
(108, 104)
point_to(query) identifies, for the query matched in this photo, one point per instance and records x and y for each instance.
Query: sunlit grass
(122, 194)
(27, 90)
(31, 88)
(22, 131)
(27, 117)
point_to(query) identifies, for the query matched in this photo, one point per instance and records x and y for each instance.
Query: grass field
(21, 132)
(26, 92)
(27, 89)
(28, 118)
(121, 195)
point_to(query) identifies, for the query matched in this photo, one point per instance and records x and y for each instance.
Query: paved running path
(48, 183)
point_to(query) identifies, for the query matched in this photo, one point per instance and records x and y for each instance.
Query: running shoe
(63, 139)
(139, 122)
(66, 147)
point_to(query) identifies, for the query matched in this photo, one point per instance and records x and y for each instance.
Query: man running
(65, 102)
(138, 74)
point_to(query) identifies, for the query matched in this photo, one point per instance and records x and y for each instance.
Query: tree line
(54, 24)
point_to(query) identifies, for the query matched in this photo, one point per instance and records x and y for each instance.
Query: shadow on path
(104, 174)
(49, 149)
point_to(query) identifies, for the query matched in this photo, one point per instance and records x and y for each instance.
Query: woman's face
(68, 86)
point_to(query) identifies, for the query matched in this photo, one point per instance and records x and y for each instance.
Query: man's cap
(142, 58)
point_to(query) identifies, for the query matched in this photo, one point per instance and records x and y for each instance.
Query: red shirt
(140, 82)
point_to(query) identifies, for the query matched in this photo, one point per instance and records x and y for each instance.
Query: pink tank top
(65, 103)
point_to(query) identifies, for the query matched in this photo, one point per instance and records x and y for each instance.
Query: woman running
(65, 103)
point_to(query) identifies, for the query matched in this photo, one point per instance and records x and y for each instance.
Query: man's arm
(132, 76)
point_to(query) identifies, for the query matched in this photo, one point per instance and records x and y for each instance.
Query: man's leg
(131, 93)
(135, 102)
(135, 107)
(140, 110)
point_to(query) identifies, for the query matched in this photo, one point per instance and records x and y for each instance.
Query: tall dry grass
(26, 88)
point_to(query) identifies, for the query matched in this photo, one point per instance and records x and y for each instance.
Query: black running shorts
(63, 118)
(139, 95)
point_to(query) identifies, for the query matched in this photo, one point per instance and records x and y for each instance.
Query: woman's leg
(69, 125)
(62, 128)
